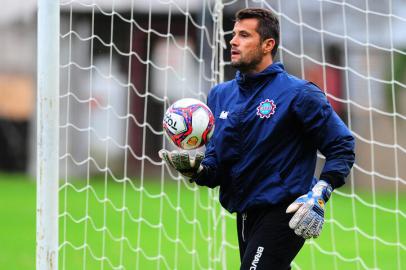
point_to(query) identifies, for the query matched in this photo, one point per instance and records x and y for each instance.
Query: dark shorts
(265, 239)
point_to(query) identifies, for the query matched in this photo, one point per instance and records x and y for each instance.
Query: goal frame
(47, 174)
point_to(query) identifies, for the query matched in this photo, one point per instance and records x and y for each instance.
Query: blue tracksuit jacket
(268, 129)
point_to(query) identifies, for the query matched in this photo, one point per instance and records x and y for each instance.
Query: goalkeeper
(269, 126)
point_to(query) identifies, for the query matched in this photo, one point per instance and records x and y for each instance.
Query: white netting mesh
(124, 62)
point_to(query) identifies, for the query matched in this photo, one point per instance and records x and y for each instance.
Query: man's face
(246, 50)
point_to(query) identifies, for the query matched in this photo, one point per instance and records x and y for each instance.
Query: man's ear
(267, 45)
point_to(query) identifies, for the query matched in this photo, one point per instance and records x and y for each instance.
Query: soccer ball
(188, 123)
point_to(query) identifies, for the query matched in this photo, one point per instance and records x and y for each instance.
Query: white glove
(182, 162)
(309, 217)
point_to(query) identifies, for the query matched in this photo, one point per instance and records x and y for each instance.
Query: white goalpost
(108, 70)
(47, 135)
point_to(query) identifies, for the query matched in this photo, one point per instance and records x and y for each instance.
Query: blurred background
(124, 62)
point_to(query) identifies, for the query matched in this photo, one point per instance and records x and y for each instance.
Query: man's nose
(233, 41)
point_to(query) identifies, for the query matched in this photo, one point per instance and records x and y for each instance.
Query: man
(269, 126)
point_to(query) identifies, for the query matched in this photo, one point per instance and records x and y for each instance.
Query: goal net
(122, 63)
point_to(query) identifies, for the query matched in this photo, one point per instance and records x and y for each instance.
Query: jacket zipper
(244, 218)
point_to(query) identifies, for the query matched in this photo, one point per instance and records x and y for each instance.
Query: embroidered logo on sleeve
(266, 108)
(223, 115)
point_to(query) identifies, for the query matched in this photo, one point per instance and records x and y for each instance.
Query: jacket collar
(247, 81)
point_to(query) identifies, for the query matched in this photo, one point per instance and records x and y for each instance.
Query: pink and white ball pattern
(188, 123)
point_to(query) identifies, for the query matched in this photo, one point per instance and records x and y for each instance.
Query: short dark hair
(268, 24)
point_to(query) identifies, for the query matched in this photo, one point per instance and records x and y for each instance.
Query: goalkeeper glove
(182, 162)
(309, 217)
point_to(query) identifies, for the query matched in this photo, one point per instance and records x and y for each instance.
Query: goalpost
(47, 135)
(107, 71)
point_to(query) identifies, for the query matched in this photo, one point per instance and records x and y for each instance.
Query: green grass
(17, 225)
(144, 233)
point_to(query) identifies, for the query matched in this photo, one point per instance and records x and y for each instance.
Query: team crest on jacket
(266, 108)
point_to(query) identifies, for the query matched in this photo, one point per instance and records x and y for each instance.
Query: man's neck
(266, 62)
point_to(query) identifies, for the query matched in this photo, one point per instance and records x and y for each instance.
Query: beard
(248, 62)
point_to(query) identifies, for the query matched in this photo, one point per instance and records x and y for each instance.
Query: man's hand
(309, 217)
(182, 162)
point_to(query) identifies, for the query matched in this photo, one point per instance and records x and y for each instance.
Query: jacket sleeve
(329, 133)
(209, 176)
